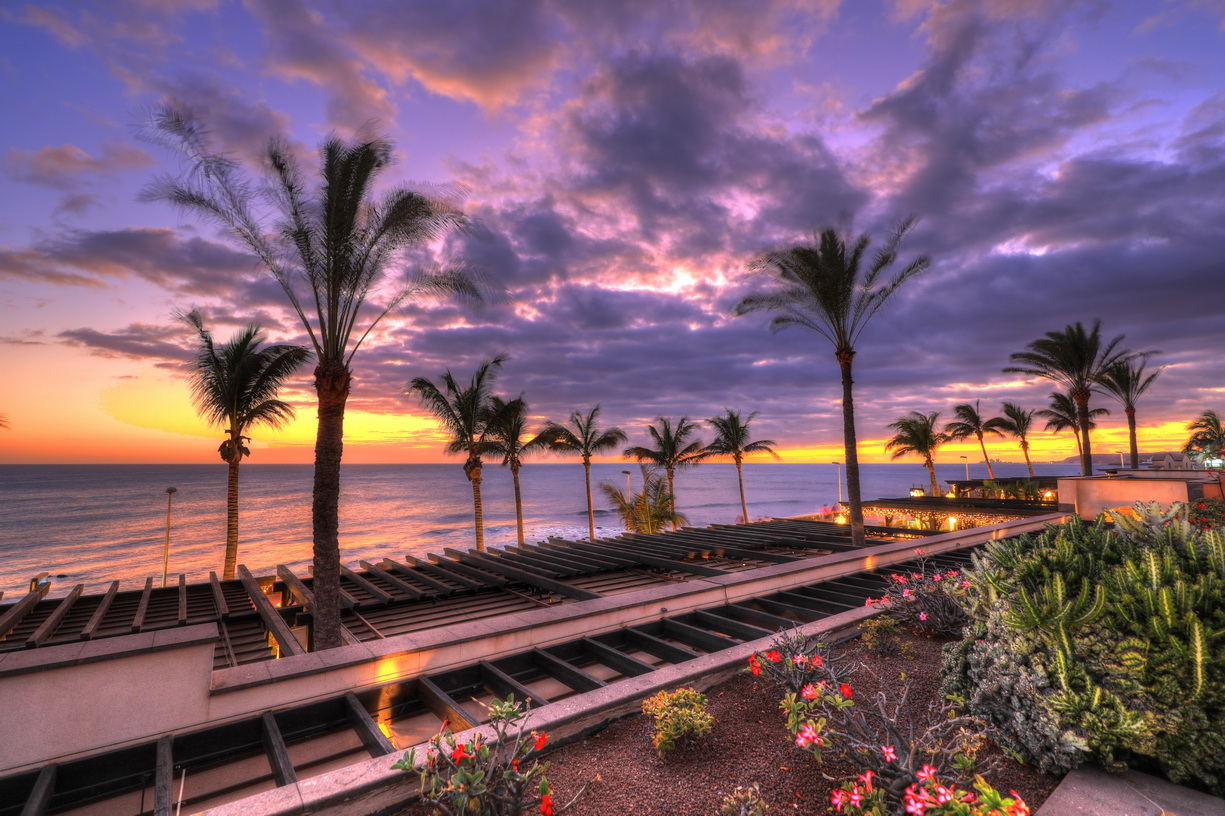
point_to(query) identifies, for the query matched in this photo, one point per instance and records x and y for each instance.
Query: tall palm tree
(1208, 436)
(585, 437)
(329, 247)
(1016, 422)
(1126, 382)
(1062, 415)
(673, 450)
(732, 439)
(917, 434)
(507, 425)
(464, 413)
(648, 511)
(824, 287)
(1076, 359)
(969, 423)
(235, 387)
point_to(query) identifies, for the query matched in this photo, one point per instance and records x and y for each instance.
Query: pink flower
(838, 799)
(855, 796)
(922, 616)
(866, 779)
(952, 573)
(809, 692)
(798, 660)
(965, 583)
(868, 601)
(889, 752)
(936, 577)
(919, 551)
(943, 794)
(926, 774)
(808, 735)
(906, 593)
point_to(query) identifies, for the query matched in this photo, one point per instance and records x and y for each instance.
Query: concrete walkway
(1090, 791)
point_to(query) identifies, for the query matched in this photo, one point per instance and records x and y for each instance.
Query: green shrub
(1089, 642)
(880, 637)
(680, 716)
(744, 802)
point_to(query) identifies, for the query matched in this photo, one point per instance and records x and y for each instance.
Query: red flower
(460, 753)
(845, 689)
(546, 805)
(773, 656)
(541, 739)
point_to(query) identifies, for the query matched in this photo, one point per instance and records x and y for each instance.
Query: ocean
(92, 524)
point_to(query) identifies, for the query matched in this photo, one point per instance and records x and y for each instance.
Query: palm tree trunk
(472, 469)
(1131, 432)
(672, 493)
(931, 468)
(1082, 414)
(514, 475)
(853, 495)
(231, 523)
(744, 507)
(1025, 453)
(590, 503)
(332, 381)
(983, 445)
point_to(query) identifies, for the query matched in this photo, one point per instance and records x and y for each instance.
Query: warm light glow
(952, 522)
(840, 519)
(916, 492)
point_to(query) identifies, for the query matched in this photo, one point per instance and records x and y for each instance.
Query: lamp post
(839, 465)
(170, 491)
(1121, 460)
(967, 464)
(627, 484)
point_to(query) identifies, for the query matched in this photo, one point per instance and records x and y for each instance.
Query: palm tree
(732, 439)
(917, 434)
(464, 413)
(1126, 382)
(235, 387)
(1017, 422)
(1075, 359)
(4, 420)
(822, 287)
(586, 438)
(507, 424)
(648, 511)
(330, 247)
(1062, 415)
(673, 450)
(969, 423)
(1208, 438)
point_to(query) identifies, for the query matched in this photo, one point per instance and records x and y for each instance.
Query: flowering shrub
(744, 802)
(1207, 514)
(480, 778)
(794, 661)
(927, 600)
(928, 797)
(679, 716)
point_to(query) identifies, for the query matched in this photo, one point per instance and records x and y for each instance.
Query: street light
(170, 491)
(627, 484)
(967, 463)
(839, 464)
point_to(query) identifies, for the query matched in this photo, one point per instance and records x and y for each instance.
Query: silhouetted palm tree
(507, 425)
(917, 434)
(1062, 415)
(673, 449)
(1208, 436)
(1076, 359)
(732, 439)
(586, 438)
(1126, 382)
(822, 286)
(648, 511)
(464, 413)
(235, 387)
(329, 247)
(969, 423)
(1016, 422)
(4, 420)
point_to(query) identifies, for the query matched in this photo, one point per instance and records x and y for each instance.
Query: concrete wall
(1092, 495)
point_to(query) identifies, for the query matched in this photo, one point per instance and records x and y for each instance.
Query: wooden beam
(182, 599)
(367, 729)
(443, 705)
(486, 579)
(567, 673)
(163, 778)
(739, 629)
(296, 587)
(219, 602)
(103, 607)
(616, 659)
(142, 609)
(283, 772)
(530, 578)
(272, 619)
(47, 628)
(380, 595)
(346, 598)
(758, 618)
(503, 685)
(658, 647)
(418, 575)
(40, 797)
(411, 591)
(699, 638)
(19, 610)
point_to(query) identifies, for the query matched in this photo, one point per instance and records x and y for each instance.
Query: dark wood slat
(40, 797)
(423, 574)
(660, 648)
(616, 659)
(529, 578)
(346, 598)
(503, 685)
(381, 595)
(19, 610)
(806, 614)
(443, 705)
(367, 729)
(572, 676)
(643, 556)
(142, 609)
(163, 777)
(100, 611)
(297, 589)
(578, 557)
(734, 627)
(411, 591)
(182, 599)
(485, 578)
(47, 627)
(283, 772)
(759, 618)
(219, 602)
(698, 638)
(268, 614)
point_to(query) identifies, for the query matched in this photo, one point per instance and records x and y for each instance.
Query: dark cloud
(159, 344)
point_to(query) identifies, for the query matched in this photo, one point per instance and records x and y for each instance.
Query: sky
(622, 164)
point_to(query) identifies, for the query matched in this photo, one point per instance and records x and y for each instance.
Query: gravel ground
(748, 744)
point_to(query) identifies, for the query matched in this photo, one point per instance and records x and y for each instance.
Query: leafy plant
(1207, 514)
(794, 661)
(486, 778)
(880, 637)
(744, 802)
(927, 600)
(680, 716)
